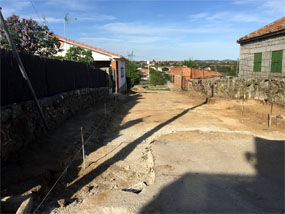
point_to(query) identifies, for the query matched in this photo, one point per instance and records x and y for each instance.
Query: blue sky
(154, 29)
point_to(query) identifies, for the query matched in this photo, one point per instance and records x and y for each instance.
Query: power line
(36, 11)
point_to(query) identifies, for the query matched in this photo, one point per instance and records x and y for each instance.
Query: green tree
(166, 76)
(30, 37)
(151, 70)
(190, 64)
(132, 74)
(79, 54)
(156, 78)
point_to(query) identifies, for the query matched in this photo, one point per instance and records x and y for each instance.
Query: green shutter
(276, 61)
(257, 62)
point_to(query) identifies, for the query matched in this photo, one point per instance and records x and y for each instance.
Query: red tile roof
(144, 70)
(273, 27)
(87, 46)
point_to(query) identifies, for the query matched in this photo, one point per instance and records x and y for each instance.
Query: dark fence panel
(80, 75)
(36, 71)
(48, 77)
(59, 77)
(11, 82)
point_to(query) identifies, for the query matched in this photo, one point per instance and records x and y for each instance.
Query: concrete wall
(21, 123)
(265, 47)
(233, 87)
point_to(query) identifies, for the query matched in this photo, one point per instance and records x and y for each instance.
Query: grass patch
(159, 89)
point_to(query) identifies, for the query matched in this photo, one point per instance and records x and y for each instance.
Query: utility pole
(44, 20)
(237, 68)
(148, 69)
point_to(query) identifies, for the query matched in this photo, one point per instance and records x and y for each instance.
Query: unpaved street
(194, 157)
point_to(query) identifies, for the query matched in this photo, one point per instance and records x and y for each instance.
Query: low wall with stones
(232, 87)
(21, 123)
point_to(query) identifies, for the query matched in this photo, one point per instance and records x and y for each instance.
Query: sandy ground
(194, 157)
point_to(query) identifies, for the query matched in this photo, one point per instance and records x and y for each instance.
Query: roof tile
(87, 46)
(276, 26)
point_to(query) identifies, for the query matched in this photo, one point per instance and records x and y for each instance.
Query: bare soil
(194, 156)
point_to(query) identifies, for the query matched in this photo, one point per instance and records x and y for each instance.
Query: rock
(11, 204)
(26, 206)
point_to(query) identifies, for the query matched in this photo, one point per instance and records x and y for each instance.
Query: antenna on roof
(131, 56)
(67, 18)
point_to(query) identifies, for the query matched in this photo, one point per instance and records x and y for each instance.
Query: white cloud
(199, 16)
(13, 7)
(270, 7)
(76, 5)
(54, 20)
(136, 28)
(229, 17)
(96, 17)
(130, 39)
(274, 7)
(94, 40)
(242, 2)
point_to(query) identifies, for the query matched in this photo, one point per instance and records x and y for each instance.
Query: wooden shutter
(257, 62)
(276, 61)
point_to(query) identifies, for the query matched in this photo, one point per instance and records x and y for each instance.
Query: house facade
(114, 64)
(262, 52)
(180, 76)
(145, 73)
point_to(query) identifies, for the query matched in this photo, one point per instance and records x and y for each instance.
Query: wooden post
(83, 153)
(270, 115)
(242, 108)
(269, 120)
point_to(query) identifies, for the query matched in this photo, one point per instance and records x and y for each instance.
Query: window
(257, 62)
(122, 72)
(276, 61)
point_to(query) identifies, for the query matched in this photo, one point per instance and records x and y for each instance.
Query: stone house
(262, 52)
(114, 64)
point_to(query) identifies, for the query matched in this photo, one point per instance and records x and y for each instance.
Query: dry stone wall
(21, 123)
(232, 87)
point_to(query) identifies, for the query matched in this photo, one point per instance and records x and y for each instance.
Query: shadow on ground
(222, 193)
(121, 155)
(41, 163)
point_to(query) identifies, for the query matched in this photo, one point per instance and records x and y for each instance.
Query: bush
(166, 76)
(132, 74)
(156, 78)
(79, 54)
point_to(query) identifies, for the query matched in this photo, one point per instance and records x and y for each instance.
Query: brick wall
(181, 75)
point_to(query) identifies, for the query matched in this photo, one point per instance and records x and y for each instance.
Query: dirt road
(194, 157)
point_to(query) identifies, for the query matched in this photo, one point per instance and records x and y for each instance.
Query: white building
(102, 59)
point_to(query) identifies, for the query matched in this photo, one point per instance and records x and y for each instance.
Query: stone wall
(21, 123)
(236, 88)
(265, 47)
